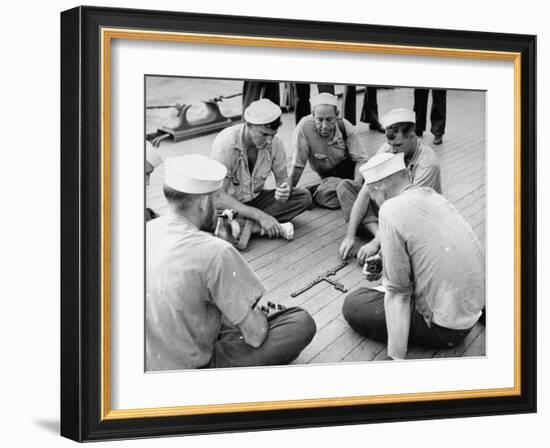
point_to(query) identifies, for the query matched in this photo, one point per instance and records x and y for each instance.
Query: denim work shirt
(228, 148)
(431, 253)
(325, 154)
(193, 281)
(424, 168)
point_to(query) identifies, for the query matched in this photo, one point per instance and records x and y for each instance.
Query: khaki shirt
(193, 280)
(431, 253)
(228, 148)
(324, 155)
(424, 168)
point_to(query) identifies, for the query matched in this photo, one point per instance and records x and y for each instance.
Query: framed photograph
(277, 224)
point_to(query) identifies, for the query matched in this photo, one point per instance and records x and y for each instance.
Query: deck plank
(477, 347)
(366, 350)
(303, 225)
(319, 238)
(460, 350)
(323, 338)
(262, 250)
(315, 299)
(339, 347)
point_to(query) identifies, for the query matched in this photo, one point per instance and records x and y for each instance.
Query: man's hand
(373, 268)
(282, 192)
(347, 247)
(254, 328)
(368, 250)
(270, 225)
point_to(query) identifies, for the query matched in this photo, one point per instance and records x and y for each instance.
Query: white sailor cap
(324, 98)
(399, 115)
(151, 155)
(194, 174)
(381, 166)
(262, 111)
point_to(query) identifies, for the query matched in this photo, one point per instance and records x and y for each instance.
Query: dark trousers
(290, 331)
(438, 114)
(255, 90)
(302, 106)
(364, 310)
(325, 194)
(350, 101)
(302, 93)
(344, 170)
(298, 202)
(369, 112)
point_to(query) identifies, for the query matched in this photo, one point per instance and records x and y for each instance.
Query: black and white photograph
(309, 223)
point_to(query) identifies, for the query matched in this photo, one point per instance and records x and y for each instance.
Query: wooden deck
(286, 266)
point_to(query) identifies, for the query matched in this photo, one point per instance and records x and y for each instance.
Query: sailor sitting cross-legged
(201, 295)
(358, 208)
(433, 266)
(251, 151)
(330, 145)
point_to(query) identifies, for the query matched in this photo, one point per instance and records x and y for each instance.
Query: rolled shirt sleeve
(427, 175)
(425, 170)
(232, 284)
(397, 273)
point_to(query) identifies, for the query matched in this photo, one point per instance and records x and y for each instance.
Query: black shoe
(438, 139)
(376, 127)
(150, 214)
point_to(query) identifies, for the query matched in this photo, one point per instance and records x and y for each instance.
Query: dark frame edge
(529, 221)
(71, 324)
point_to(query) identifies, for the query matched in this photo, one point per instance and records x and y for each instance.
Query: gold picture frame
(91, 394)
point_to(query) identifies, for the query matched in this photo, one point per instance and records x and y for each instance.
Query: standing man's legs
(254, 90)
(290, 331)
(350, 100)
(326, 88)
(421, 109)
(369, 112)
(301, 103)
(438, 114)
(303, 92)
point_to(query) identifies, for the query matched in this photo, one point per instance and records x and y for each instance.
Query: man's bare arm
(254, 328)
(398, 321)
(359, 210)
(295, 175)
